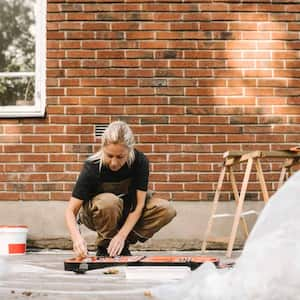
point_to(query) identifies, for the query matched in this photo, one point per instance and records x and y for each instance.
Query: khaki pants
(104, 213)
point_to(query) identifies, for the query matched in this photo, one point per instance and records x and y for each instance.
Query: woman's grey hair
(117, 132)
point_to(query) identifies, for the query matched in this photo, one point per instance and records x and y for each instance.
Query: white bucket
(13, 239)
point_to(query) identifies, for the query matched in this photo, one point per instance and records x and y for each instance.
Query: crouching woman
(111, 197)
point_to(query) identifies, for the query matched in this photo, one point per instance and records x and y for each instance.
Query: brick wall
(192, 78)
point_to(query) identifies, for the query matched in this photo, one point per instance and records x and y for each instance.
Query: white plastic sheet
(269, 267)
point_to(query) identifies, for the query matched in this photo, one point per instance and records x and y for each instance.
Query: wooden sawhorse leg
(214, 207)
(239, 207)
(236, 198)
(286, 170)
(262, 181)
(227, 167)
(239, 210)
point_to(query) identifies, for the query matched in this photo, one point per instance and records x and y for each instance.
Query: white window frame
(38, 109)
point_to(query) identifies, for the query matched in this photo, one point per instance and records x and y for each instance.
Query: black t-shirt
(125, 182)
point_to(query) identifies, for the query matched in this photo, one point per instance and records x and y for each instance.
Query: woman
(111, 198)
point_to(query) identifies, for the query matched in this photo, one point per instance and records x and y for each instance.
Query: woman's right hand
(79, 244)
(80, 247)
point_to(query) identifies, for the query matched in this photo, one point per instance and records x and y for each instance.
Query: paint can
(13, 239)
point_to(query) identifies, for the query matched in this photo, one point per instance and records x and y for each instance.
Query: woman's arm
(117, 243)
(79, 244)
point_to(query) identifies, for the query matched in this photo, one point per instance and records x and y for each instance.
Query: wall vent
(99, 129)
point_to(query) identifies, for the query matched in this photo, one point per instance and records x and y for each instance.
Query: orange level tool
(81, 265)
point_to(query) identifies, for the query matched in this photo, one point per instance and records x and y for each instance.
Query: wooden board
(81, 265)
(295, 149)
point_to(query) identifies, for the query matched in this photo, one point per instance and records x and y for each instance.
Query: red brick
(258, 110)
(241, 26)
(259, 92)
(198, 186)
(62, 157)
(110, 73)
(35, 139)
(9, 139)
(199, 16)
(65, 139)
(21, 168)
(140, 91)
(287, 110)
(6, 196)
(80, 110)
(238, 138)
(62, 177)
(94, 119)
(258, 73)
(169, 186)
(80, 54)
(153, 139)
(271, 138)
(64, 119)
(17, 148)
(223, 78)
(167, 148)
(47, 148)
(36, 196)
(196, 167)
(94, 26)
(186, 196)
(182, 139)
(49, 167)
(20, 187)
(186, 177)
(272, 82)
(110, 91)
(76, 73)
(81, 16)
(6, 157)
(211, 139)
(243, 120)
(182, 158)
(194, 26)
(214, 120)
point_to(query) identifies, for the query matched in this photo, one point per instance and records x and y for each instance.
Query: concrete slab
(47, 227)
(41, 275)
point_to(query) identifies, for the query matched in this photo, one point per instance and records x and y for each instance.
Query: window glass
(22, 39)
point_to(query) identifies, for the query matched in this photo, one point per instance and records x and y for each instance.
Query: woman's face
(115, 156)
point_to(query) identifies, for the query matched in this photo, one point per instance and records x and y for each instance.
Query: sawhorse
(255, 158)
(286, 169)
(231, 158)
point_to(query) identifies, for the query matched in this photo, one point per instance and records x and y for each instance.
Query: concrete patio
(41, 275)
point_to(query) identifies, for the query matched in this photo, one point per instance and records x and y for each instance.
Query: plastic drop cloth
(268, 268)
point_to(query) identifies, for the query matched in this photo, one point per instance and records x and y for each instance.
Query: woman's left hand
(116, 245)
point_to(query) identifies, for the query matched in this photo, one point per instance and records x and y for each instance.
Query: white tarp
(269, 267)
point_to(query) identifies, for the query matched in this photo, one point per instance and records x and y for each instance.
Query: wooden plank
(280, 154)
(232, 161)
(251, 154)
(270, 154)
(229, 154)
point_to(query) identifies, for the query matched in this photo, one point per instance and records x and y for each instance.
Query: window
(22, 58)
